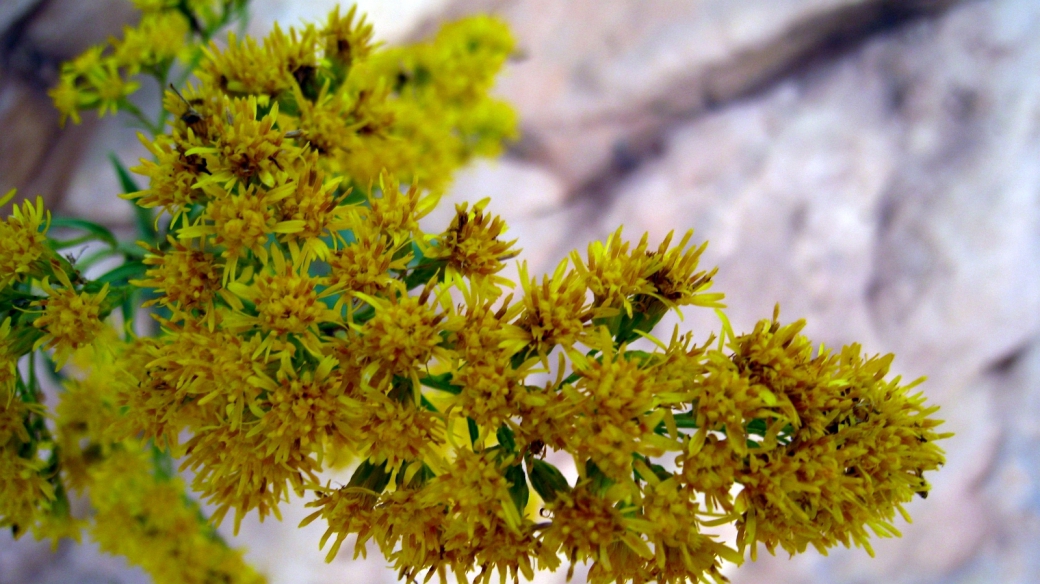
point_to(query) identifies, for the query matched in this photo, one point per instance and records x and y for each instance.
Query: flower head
(471, 246)
(23, 239)
(70, 320)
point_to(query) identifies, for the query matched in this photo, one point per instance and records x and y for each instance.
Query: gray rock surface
(599, 80)
(36, 156)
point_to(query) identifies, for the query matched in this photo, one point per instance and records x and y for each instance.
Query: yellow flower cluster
(140, 507)
(23, 241)
(25, 492)
(310, 322)
(102, 77)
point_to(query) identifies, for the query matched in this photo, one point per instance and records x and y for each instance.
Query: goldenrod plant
(307, 323)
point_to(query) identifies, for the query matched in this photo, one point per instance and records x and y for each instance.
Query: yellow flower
(70, 320)
(618, 403)
(12, 417)
(325, 123)
(68, 99)
(287, 302)
(397, 213)
(495, 547)
(347, 510)
(367, 265)
(148, 380)
(235, 470)
(708, 466)
(240, 223)
(314, 207)
(857, 448)
(675, 279)
(111, 87)
(87, 62)
(409, 531)
(295, 338)
(25, 493)
(471, 247)
(303, 411)
(186, 279)
(158, 37)
(245, 67)
(394, 430)
(681, 552)
(404, 333)
(246, 147)
(587, 525)
(171, 177)
(492, 390)
(153, 523)
(346, 41)
(612, 273)
(476, 491)
(555, 312)
(23, 240)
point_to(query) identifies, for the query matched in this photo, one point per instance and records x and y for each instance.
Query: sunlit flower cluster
(308, 322)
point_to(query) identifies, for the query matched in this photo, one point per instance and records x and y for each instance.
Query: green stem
(140, 117)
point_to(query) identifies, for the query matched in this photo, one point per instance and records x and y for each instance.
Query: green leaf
(163, 463)
(99, 232)
(423, 272)
(145, 220)
(686, 420)
(506, 438)
(126, 182)
(123, 273)
(474, 431)
(129, 309)
(60, 244)
(757, 426)
(131, 250)
(546, 479)
(355, 196)
(421, 477)
(518, 490)
(600, 481)
(628, 328)
(371, 476)
(428, 405)
(659, 471)
(441, 382)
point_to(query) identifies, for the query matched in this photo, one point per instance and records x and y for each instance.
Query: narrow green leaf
(424, 272)
(518, 490)
(371, 476)
(757, 426)
(123, 273)
(126, 181)
(144, 218)
(600, 481)
(474, 431)
(129, 309)
(546, 479)
(428, 405)
(506, 438)
(441, 382)
(99, 232)
(659, 471)
(163, 463)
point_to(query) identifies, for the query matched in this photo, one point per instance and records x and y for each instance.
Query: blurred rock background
(871, 165)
